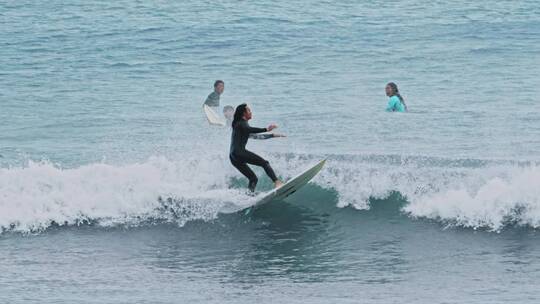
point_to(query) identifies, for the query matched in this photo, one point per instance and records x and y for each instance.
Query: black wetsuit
(240, 157)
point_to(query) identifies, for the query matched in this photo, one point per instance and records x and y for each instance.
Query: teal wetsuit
(395, 105)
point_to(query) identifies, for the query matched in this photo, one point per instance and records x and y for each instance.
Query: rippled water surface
(100, 117)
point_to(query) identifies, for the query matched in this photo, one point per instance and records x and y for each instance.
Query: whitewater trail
(40, 194)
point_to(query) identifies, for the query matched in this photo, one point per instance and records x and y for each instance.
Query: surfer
(239, 156)
(396, 102)
(213, 98)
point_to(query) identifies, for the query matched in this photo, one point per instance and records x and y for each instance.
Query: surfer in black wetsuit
(239, 156)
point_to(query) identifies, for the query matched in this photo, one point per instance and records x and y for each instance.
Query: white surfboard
(291, 186)
(213, 117)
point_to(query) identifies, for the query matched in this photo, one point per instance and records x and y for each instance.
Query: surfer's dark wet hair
(395, 90)
(239, 114)
(217, 82)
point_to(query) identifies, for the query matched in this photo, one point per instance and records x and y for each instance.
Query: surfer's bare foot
(278, 184)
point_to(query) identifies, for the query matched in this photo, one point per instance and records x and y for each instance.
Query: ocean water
(114, 189)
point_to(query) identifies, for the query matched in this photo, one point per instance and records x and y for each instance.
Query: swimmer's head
(228, 112)
(219, 86)
(391, 89)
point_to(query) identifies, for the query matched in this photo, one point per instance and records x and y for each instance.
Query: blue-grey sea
(115, 189)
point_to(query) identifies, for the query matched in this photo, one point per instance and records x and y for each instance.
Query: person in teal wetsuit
(396, 102)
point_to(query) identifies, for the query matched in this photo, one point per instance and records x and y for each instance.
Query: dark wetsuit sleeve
(257, 130)
(261, 136)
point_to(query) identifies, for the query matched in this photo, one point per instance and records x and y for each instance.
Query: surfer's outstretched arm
(253, 130)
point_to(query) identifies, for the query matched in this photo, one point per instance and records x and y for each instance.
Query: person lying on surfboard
(239, 156)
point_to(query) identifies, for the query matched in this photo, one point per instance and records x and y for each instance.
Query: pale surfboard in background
(213, 118)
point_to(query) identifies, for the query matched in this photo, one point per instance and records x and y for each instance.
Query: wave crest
(465, 193)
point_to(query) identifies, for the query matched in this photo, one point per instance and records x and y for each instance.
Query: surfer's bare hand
(271, 127)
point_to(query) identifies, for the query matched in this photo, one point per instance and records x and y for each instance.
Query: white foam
(34, 196)
(486, 195)
(512, 195)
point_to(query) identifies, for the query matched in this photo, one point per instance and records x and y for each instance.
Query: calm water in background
(100, 114)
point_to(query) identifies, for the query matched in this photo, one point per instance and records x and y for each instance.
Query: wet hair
(217, 82)
(239, 114)
(228, 108)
